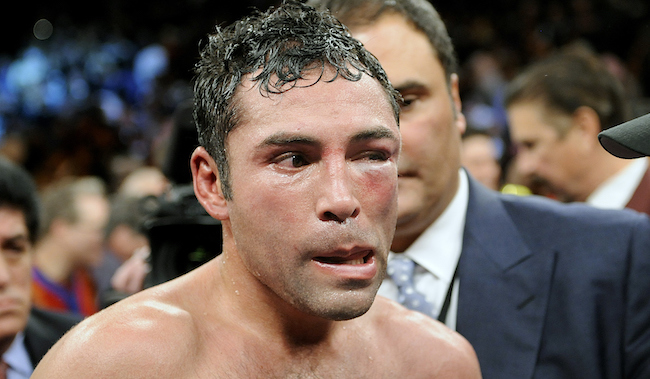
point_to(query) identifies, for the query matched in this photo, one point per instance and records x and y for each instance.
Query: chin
(347, 313)
(346, 306)
(406, 214)
(10, 326)
(409, 203)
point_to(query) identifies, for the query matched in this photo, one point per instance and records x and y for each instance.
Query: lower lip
(364, 271)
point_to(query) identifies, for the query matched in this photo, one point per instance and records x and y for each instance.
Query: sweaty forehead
(272, 85)
(317, 90)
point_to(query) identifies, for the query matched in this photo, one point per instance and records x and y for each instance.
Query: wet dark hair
(276, 48)
(18, 191)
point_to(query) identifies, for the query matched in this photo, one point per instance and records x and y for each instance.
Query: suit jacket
(550, 290)
(43, 329)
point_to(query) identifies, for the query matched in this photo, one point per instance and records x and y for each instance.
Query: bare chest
(254, 360)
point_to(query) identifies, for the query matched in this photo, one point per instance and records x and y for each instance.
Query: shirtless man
(298, 159)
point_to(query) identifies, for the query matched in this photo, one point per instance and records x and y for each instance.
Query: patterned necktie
(400, 269)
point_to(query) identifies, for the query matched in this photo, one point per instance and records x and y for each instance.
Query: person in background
(539, 288)
(480, 157)
(556, 108)
(144, 181)
(26, 332)
(70, 244)
(287, 102)
(124, 264)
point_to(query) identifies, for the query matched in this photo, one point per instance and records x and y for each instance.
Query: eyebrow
(283, 138)
(379, 132)
(410, 85)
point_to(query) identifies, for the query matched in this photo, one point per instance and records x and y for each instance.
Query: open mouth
(357, 266)
(345, 260)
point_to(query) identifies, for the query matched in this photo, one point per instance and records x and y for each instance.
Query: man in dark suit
(539, 288)
(26, 333)
(556, 108)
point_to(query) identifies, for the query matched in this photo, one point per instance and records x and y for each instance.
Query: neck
(601, 169)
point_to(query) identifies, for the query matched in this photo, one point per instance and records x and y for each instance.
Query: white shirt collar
(445, 236)
(20, 366)
(617, 191)
(437, 251)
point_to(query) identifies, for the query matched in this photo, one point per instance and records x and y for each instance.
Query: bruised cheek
(378, 189)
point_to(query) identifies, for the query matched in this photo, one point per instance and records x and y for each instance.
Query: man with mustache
(26, 333)
(539, 288)
(298, 159)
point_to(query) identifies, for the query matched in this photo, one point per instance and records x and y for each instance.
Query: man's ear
(587, 121)
(207, 186)
(454, 89)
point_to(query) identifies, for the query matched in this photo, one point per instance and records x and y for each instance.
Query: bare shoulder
(426, 346)
(146, 331)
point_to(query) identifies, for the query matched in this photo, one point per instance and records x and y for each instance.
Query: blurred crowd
(96, 96)
(94, 93)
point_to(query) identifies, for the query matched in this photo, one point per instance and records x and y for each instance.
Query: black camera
(181, 234)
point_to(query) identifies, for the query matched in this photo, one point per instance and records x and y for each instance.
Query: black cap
(628, 140)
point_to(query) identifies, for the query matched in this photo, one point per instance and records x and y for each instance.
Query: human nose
(337, 201)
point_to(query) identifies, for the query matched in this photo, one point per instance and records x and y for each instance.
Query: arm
(126, 340)
(425, 348)
(457, 357)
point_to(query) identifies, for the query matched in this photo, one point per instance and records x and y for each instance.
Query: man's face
(86, 236)
(15, 273)
(314, 180)
(479, 157)
(542, 154)
(431, 123)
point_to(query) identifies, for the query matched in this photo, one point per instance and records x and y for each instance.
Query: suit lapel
(504, 289)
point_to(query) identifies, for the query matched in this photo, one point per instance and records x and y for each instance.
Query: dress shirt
(617, 191)
(437, 251)
(20, 366)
